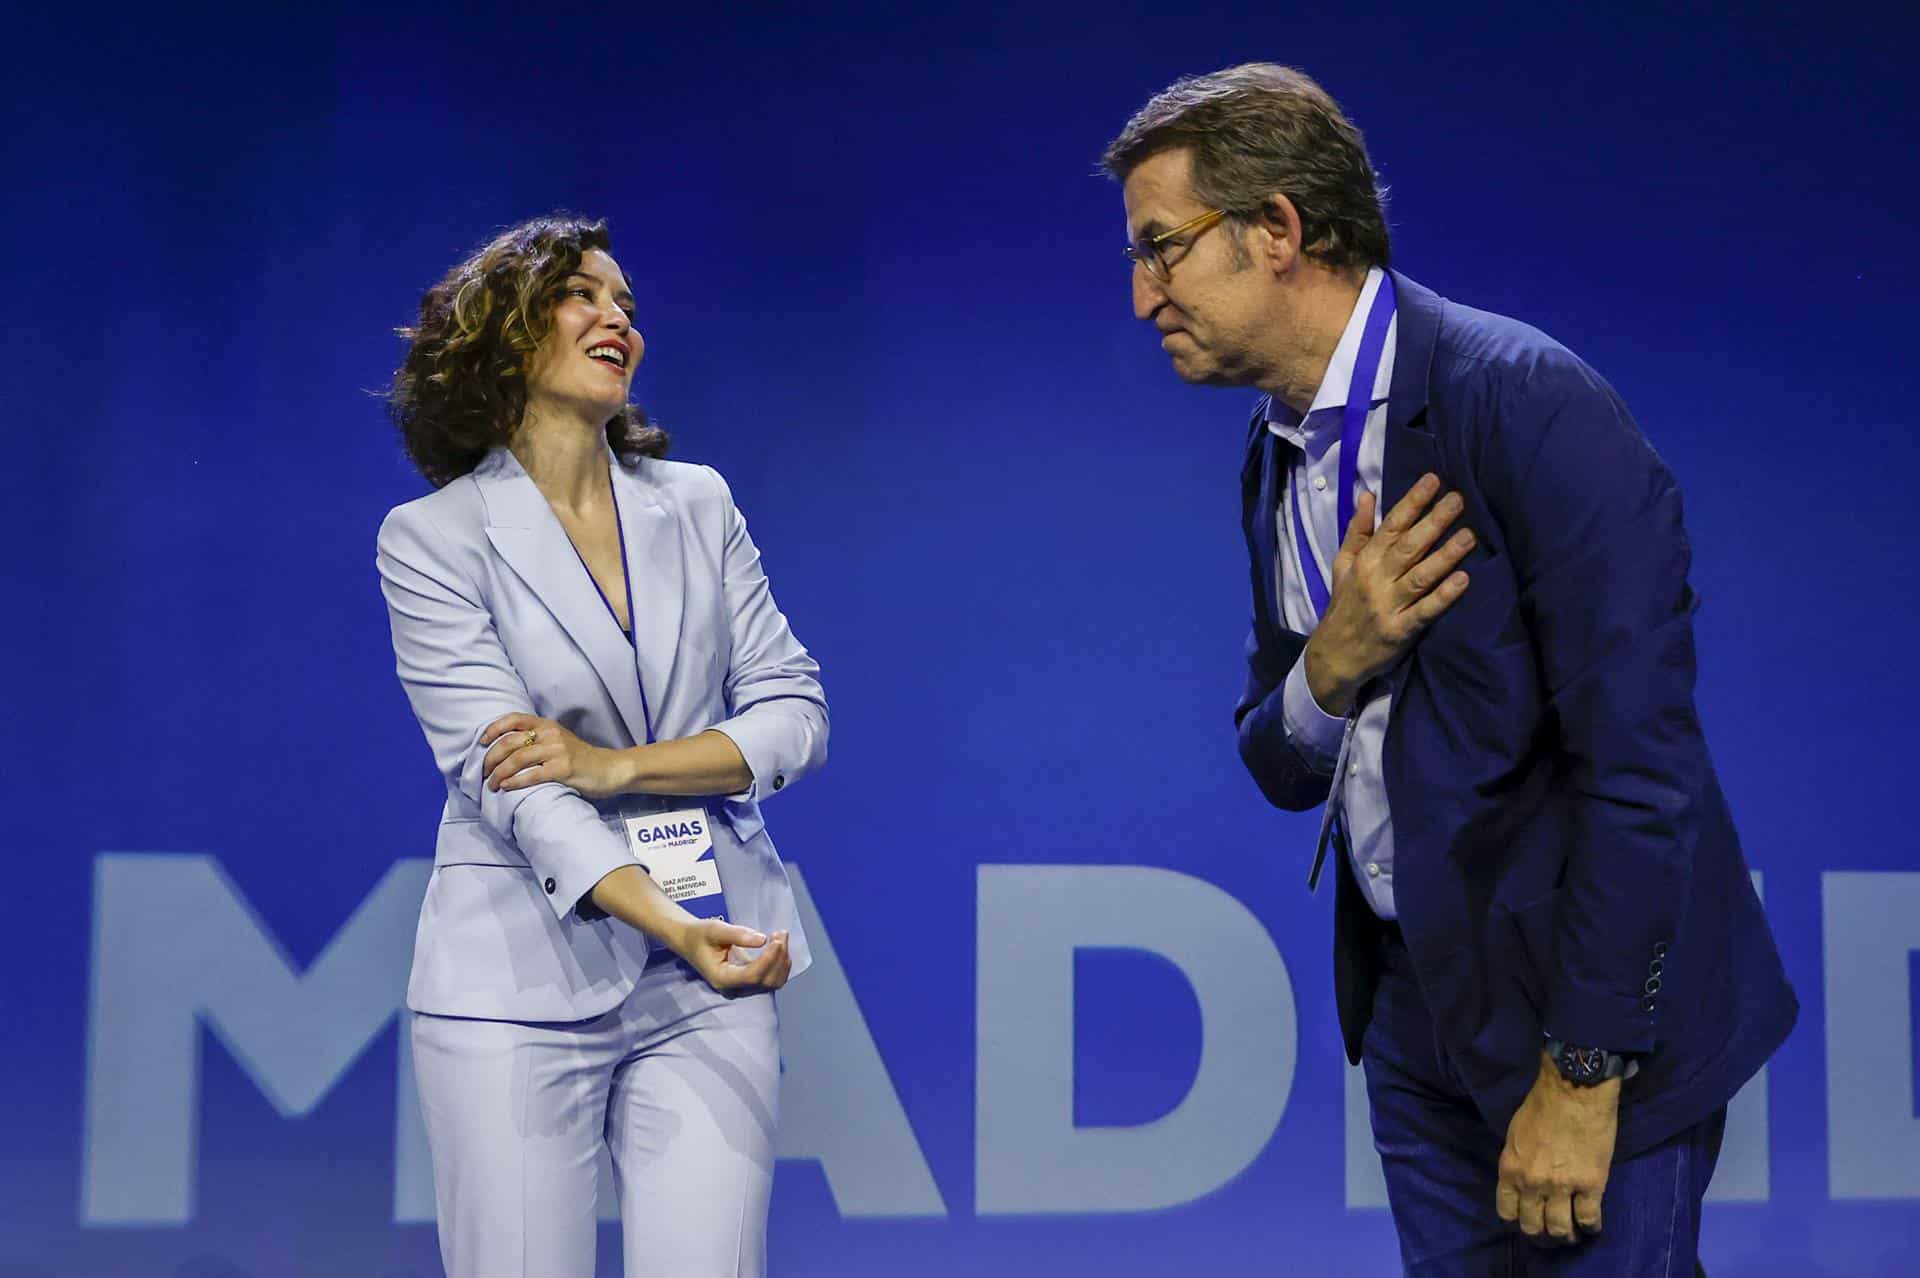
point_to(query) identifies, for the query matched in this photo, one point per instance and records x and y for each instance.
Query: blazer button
(1659, 949)
(778, 780)
(1646, 1004)
(549, 887)
(1656, 967)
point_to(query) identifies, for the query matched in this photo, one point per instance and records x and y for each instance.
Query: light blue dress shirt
(1314, 475)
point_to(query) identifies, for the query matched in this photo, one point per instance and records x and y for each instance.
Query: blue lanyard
(633, 619)
(1353, 424)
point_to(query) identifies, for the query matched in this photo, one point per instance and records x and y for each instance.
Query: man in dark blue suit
(1548, 952)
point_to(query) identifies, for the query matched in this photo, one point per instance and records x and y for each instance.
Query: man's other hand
(1559, 1151)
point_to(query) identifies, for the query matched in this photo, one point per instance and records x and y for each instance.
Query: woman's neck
(566, 457)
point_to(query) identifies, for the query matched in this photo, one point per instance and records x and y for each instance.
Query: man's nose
(1148, 296)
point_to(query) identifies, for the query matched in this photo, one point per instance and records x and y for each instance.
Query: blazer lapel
(1266, 528)
(656, 582)
(529, 536)
(1410, 450)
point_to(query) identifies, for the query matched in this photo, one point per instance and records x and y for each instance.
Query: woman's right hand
(708, 945)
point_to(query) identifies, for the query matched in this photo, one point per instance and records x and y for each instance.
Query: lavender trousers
(680, 1083)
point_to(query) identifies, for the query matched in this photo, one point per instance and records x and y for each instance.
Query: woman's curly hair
(463, 388)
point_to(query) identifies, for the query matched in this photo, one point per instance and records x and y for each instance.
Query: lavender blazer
(493, 613)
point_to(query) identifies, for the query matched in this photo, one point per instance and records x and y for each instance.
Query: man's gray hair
(1257, 129)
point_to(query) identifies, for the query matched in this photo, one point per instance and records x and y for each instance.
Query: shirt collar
(1291, 426)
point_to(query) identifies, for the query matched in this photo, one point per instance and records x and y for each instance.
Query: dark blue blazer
(1564, 860)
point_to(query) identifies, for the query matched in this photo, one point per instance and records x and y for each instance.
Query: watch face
(1585, 1065)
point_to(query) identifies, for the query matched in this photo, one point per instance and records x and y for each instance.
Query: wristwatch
(1589, 1066)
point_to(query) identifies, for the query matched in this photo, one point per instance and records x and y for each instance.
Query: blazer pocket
(469, 842)
(743, 818)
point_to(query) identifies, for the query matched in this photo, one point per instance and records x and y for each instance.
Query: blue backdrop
(882, 292)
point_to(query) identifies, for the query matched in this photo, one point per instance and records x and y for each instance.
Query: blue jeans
(1442, 1160)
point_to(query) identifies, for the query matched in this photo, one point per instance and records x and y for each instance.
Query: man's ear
(1280, 246)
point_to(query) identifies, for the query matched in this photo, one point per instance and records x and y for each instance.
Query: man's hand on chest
(1389, 585)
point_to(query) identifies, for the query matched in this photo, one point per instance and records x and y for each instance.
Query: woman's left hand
(526, 750)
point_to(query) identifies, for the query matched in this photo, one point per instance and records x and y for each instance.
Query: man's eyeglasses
(1148, 251)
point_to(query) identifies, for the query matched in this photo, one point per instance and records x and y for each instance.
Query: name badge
(676, 848)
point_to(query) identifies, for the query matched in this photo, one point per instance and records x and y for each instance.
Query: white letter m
(175, 945)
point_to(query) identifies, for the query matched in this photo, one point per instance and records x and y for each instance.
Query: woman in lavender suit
(587, 638)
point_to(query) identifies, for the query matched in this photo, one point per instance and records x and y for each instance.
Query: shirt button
(1320, 483)
(778, 781)
(549, 885)
(1353, 769)
(1373, 869)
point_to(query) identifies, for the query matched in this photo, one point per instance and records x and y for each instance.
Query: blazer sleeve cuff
(781, 743)
(1624, 1023)
(1311, 731)
(569, 847)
